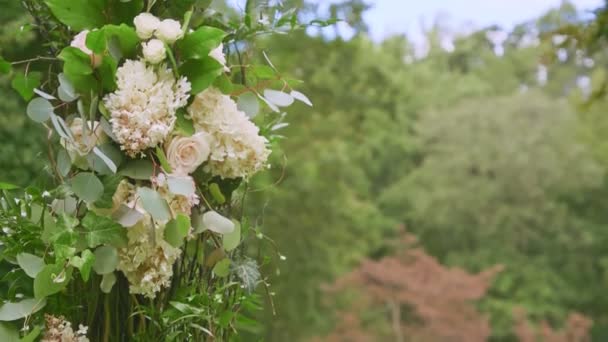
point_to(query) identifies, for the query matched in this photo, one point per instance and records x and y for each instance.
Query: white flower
(145, 25)
(186, 154)
(154, 51)
(83, 141)
(169, 31)
(237, 149)
(218, 55)
(80, 42)
(143, 108)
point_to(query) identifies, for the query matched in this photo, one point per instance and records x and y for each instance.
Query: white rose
(83, 144)
(169, 31)
(154, 51)
(145, 25)
(80, 42)
(186, 154)
(218, 55)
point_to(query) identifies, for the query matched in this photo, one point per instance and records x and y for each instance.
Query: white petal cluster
(237, 149)
(154, 51)
(145, 25)
(179, 204)
(143, 107)
(169, 31)
(60, 330)
(147, 261)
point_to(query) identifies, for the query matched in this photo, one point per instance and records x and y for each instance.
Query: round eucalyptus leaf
(39, 109)
(106, 260)
(87, 186)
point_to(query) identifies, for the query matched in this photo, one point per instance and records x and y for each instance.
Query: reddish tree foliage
(576, 329)
(440, 299)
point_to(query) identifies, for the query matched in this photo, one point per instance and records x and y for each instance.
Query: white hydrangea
(218, 55)
(169, 31)
(154, 51)
(60, 330)
(237, 149)
(147, 262)
(145, 25)
(143, 107)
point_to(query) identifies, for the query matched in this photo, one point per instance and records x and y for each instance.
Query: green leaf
(79, 14)
(123, 40)
(52, 279)
(231, 240)
(224, 84)
(5, 67)
(216, 193)
(64, 162)
(8, 333)
(249, 274)
(177, 229)
(18, 310)
(39, 109)
(162, 158)
(198, 44)
(201, 73)
(106, 260)
(263, 72)
(96, 41)
(179, 185)
(63, 245)
(249, 104)
(87, 186)
(7, 186)
(31, 337)
(184, 125)
(139, 169)
(154, 204)
(75, 62)
(99, 230)
(110, 184)
(105, 159)
(31, 264)
(107, 282)
(84, 263)
(107, 71)
(50, 228)
(222, 268)
(25, 84)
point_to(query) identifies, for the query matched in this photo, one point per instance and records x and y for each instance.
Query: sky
(404, 16)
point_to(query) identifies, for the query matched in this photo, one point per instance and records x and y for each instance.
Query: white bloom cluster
(147, 261)
(179, 204)
(144, 105)
(237, 149)
(60, 330)
(147, 25)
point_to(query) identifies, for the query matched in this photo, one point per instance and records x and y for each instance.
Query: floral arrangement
(151, 146)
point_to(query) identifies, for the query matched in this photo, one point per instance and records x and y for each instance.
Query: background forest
(459, 195)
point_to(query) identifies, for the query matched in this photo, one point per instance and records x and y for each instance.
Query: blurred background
(449, 184)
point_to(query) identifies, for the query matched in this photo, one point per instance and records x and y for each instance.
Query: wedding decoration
(153, 137)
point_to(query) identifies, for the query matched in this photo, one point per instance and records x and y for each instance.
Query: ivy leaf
(52, 279)
(84, 263)
(66, 91)
(198, 44)
(154, 204)
(222, 268)
(110, 183)
(25, 84)
(106, 260)
(39, 109)
(249, 274)
(78, 14)
(18, 310)
(5, 67)
(201, 73)
(87, 186)
(31, 264)
(63, 245)
(177, 229)
(99, 230)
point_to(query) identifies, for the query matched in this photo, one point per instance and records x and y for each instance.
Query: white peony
(80, 42)
(186, 154)
(237, 149)
(145, 25)
(154, 51)
(144, 105)
(169, 31)
(218, 55)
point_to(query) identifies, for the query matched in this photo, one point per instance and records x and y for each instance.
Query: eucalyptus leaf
(44, 95)
(217, 223)
(127, 216)
(106, 260)
(222, 268)
(177, 229)
(39, 109)
(18, 310)
(301, 97)
(231, 240)
(249, 104)
(64, 162)
(181, 185)
(138, 169)
(107, 282)
(87, 186)
(51, 280)
(279, 98)
(154, 204)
